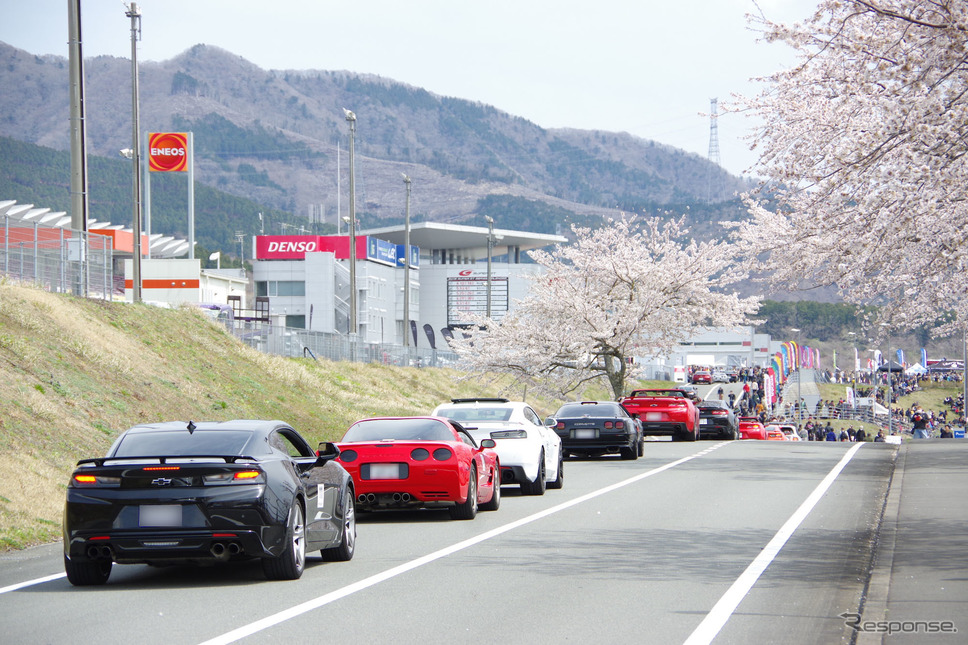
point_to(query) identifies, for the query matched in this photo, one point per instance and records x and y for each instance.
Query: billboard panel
(168, 151)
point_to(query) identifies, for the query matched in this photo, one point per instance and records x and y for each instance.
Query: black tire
(536, 487)
(495, 502)
(640, 448)
(629, 453)
(468, 509)
(82, 574)
(343, 552)
(291, 563)
(559, 481)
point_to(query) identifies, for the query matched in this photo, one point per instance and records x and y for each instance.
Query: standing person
(919, 421)
(831, 435)
(861, 435)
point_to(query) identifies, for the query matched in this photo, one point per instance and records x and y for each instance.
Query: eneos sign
(168, 151)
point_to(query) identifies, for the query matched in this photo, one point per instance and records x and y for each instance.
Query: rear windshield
(400, 429)
(654, 393)
(712, 404)
(180, 443)
(589, 410)
(466, 413)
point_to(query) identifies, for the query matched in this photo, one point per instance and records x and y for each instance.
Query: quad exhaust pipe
(219, 552)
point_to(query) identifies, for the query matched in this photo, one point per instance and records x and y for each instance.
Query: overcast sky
(647, 67)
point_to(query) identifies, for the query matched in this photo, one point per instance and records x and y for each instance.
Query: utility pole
(351, 119)
(135, 15)
(406, 267)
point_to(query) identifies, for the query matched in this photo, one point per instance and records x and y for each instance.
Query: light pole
(351, 119)
(890, 383)
(406, 266)
(135, 15)
(799, 379)
(490, 247)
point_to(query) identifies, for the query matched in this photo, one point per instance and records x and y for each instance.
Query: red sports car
(751, 428)
(421, 461)
(702, 376)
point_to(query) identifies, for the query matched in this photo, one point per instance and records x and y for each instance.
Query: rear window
(463, 413)
(589, 410)
(655, 393)
(181, 443)
(400, 429)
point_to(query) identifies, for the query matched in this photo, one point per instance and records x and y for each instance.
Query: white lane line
(320, 601)
(723, 610)
(30, 583)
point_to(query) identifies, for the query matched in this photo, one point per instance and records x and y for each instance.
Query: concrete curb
(879, 586)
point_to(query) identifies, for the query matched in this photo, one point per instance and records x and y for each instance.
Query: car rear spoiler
(100, 461)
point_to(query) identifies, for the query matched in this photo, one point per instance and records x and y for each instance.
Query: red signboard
(295, 247)
(168, 151)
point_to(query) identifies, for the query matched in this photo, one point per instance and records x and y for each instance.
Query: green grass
(190, 369)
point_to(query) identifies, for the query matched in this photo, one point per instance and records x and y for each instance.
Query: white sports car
(530, 453)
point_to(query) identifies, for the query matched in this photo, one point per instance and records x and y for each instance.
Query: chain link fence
(293, 342)
(57, 259)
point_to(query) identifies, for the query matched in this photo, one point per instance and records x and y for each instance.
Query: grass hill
(74, 373)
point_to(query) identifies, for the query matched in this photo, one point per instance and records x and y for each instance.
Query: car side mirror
(550, 422)
(488, 443)
(327, 452)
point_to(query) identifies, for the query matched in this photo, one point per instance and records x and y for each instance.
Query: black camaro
(194, 492)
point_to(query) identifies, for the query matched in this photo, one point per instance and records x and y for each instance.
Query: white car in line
(529, 452)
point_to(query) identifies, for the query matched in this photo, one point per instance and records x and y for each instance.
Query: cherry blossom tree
(615, 293)
(864, 143)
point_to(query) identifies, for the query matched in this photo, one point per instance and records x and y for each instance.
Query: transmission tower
(715, 181)
(713, 132)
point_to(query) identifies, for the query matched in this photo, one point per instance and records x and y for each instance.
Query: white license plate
(385, 471)
(160, 515)
(704, 422)
(586, 434)
(654, 416)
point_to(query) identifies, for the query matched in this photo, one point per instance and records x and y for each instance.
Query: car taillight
(443, 454)
(560, 425)
(419, 454)
(348, 456)
(161, 468)
(96, 481)
(720, 413)
(608, 425)
(237, 477)
(619, 425)
(509, 434)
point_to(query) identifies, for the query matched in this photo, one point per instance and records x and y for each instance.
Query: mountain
(271, 136)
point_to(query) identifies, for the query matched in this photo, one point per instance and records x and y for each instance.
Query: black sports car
(594, 428)
(716, 417)
(193, 492)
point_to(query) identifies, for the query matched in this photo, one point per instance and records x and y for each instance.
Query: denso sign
(286, 247)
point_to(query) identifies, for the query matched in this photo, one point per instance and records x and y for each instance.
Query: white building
(306, 278)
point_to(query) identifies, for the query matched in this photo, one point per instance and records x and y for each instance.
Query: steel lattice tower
(714, 131)
(715, 181)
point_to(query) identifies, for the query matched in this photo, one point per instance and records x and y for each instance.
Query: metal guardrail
(56, 259)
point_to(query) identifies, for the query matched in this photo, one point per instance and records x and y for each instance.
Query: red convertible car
(751, 428)
(410, 462)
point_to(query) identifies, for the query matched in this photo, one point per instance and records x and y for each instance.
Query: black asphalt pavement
(918, 592)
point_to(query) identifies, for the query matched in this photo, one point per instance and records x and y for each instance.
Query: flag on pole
(215, 256)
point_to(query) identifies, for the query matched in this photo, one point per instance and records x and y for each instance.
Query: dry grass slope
(74, 373)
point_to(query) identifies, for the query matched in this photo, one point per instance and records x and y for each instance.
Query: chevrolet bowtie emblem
(161, 481)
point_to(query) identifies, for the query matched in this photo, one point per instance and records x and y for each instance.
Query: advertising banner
(168, 151)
